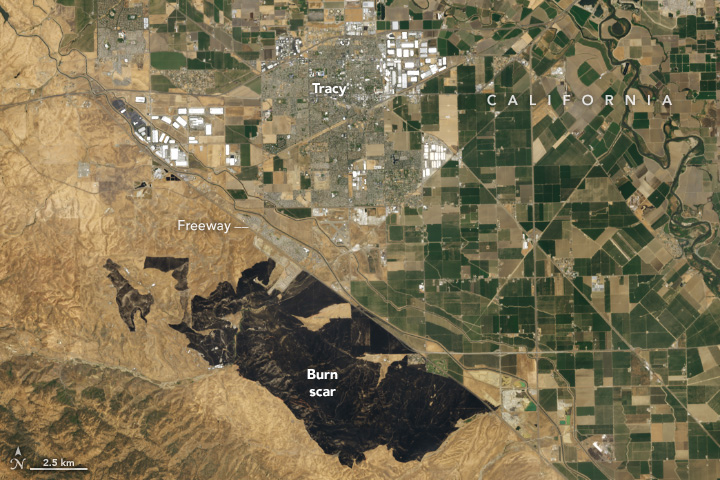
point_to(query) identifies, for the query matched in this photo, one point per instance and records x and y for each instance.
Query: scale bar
(59, 468)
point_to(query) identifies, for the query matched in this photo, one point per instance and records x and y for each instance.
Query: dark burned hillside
(410, 410)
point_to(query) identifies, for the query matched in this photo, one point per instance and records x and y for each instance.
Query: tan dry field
(448, 130)
(320, 319)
